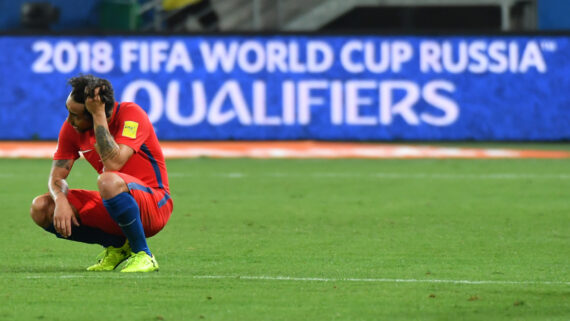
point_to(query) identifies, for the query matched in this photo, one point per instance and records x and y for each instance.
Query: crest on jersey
(130, 129)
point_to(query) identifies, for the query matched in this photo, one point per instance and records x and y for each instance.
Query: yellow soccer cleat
(111, 257)
(140, 262)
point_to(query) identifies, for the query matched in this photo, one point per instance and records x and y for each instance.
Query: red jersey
(129, 125)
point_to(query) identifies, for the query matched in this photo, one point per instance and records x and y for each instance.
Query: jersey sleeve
(134, 127)
(67, 148)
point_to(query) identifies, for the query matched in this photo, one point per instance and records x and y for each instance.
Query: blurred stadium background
(281, 15)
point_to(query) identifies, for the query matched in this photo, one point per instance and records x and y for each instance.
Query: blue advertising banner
(289, 87)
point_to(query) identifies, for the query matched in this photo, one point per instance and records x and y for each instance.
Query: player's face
(78, 117)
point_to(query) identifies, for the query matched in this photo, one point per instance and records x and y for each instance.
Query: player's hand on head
(93, 101)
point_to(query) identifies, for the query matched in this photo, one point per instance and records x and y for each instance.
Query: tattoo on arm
(62, 187)
(63, 163)
(57, 184)
(106, 145)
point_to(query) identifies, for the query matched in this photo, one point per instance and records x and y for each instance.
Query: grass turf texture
(407, 222)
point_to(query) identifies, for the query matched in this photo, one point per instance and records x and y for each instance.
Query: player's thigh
(153, 215)
(154, 207)
(91, 211)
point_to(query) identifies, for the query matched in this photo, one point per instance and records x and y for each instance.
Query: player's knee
(110, 185)
(41, 210)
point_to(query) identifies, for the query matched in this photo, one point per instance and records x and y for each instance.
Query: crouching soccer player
(133, 198)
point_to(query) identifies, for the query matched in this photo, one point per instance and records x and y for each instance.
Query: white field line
(444, 176)
(298, 279)
(374, 280)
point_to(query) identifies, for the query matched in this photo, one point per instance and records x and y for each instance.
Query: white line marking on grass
(372, 280)
(444, 176)
(294, 279)
(498, 176)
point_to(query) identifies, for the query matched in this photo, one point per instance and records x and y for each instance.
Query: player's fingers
(88, 91)
(58, 227)
(67, 228)
(97, 97)
(74, 220)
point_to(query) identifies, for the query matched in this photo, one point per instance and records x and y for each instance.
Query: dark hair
(84, 85)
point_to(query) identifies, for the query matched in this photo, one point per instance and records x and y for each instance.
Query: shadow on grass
(68, 272)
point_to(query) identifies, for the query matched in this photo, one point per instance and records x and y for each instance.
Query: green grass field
(311, 240)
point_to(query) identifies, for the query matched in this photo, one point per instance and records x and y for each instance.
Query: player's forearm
(106, 146)
(57, 184)
(57, 187)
